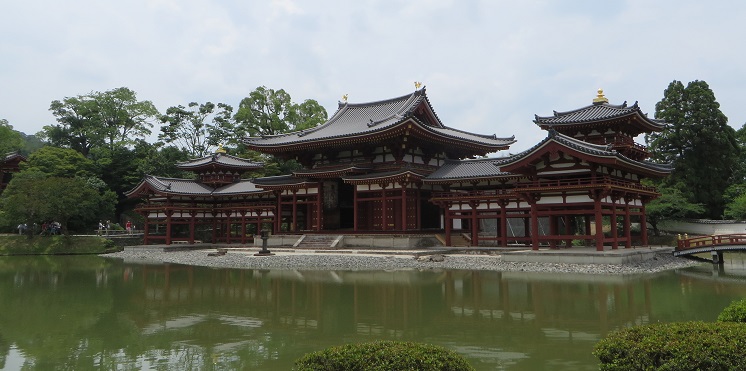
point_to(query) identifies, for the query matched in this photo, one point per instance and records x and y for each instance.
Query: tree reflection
(83, 313)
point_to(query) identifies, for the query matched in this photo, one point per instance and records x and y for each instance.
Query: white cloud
(489, 65)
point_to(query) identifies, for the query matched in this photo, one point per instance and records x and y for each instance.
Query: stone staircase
(317, 241)
(457, 240)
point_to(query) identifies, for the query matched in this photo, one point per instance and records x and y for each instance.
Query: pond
(87, 312)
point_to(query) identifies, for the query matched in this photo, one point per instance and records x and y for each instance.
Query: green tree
(123, 117)
(699, 143)
(111, 118)
(33, 197)
(308, 114)
(59, 162)
(160, 160)
(199, 128)
(10, 140)
(271, 112)
(672, 204)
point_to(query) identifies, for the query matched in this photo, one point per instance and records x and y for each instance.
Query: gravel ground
(347, 261)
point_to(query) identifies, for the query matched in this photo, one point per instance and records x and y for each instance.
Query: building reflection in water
(492, 315)
(173, 316)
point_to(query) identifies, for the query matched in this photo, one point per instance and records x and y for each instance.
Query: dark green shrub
(383, 355)
(675, 346)
(735, 312)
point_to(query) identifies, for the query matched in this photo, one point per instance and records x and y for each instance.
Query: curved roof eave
(356, 127)
(605, 112)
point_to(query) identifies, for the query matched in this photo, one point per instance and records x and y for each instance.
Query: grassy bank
(55, 245)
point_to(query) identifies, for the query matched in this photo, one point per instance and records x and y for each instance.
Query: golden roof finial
(220, 149)
(344, 98)
(417, 85)
(600, 98)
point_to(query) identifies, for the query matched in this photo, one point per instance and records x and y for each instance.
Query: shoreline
(395, 260)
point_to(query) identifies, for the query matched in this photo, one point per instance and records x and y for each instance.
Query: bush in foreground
(675, 346)
(383, 355)
(735, 312)
(55, 245)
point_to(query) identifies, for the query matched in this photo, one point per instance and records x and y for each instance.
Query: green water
(85, 313)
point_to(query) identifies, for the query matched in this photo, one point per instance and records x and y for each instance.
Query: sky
(489, 66)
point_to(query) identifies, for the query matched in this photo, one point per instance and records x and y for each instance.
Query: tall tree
(10, 140)
(122, 116)
(199, 128)
(111, 118)
(59, 162)
(271, 112)
(699, 143)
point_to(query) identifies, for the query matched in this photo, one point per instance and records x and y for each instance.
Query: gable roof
(594, 152)
(190, 187)
(352, 121)
(598, 113)
(220, 160)
(487, 168)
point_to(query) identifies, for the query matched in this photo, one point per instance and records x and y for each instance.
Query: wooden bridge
(715, 245)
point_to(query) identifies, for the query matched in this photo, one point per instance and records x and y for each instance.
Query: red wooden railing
(714, 240)
(557, 183)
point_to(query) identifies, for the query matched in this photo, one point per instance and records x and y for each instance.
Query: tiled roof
(596, 150)
(241, 187)
(220, 160)
(177, 186)
(367, 118)
(190, 187)
(596, 113)
(13, 155)
(279, 180)
(467, 169)
(386, 174)
(340, 168)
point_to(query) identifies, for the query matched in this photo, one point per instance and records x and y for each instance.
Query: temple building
(392, 167)
(9, 164)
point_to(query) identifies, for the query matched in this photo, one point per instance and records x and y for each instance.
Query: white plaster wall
(702, 228)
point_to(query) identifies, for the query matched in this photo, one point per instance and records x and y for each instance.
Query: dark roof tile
(367, 118)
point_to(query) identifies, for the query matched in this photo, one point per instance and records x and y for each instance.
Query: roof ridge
(420, 92)
(486, 136)
(605, 105)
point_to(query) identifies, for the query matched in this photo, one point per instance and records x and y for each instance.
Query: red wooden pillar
(355, 210)
(228, 228)
(568, 231)
(418, 208)
(448, 223)
(243, 226)
(278, 214)
(294, 223)
(627, 229)
(214, 228)
(384, 214)
(614, 232)
(553, 231)
(192, 225)
(599, 224)
(643, 225)
(403, 206)
(474, 224)
(534, 226)
(503, 225)
(168, 226)
(319, 208)
(146, 230)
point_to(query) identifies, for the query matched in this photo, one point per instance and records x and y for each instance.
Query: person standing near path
(129, 227)
(100, 227)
